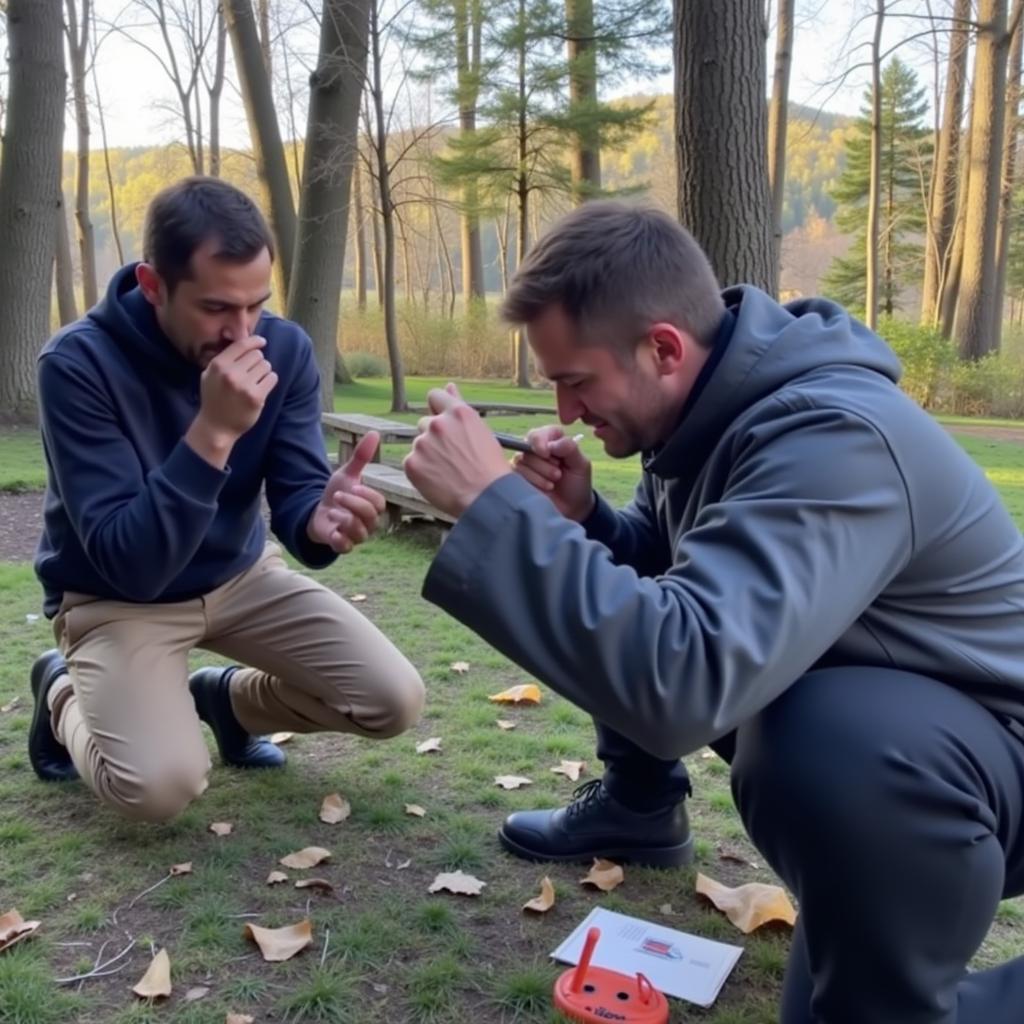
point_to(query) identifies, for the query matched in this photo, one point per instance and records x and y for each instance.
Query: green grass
(383, 947)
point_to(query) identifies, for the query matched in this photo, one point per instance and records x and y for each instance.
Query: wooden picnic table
(498, 409)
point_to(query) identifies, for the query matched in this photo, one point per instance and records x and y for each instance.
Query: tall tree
(942, 195)
(977, 327)
(872, 238)
(903, 161)
(264, 133)
(67, 307)
(330, 155)
(30, 173)
(778, 112)
(721, 150)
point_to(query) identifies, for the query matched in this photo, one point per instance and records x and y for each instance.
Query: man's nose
(570, 408)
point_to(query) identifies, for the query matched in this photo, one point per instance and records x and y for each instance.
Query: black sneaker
(212, 695)
(49, 757)
(595, 824)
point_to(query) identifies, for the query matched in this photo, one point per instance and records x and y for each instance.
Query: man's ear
(151, 284)
(668, 346)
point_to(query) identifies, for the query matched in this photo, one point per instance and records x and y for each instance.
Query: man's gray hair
(616, 268)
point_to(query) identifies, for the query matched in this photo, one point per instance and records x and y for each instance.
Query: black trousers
(892, 805)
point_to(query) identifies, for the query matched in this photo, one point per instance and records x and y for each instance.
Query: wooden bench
(498, 409)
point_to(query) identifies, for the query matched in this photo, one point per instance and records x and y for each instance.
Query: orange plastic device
(596, 995)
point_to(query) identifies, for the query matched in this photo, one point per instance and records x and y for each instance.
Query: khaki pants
(128, 719)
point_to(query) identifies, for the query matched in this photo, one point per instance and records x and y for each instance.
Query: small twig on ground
(258, 913)
(100, 970)
(145, 892)
(327, 939)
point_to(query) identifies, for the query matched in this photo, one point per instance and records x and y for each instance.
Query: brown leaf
(222, 828)
(282, 737)
(512, 781)
(156, 982)
(10, 705)
(708, 755)
(415, 810)
(526, 693)
(181, 869)
(14, 928)
(605, 875)
(276, 878)
(195, 994)
(545, 901)
(724, 853)
(277, 944)
(570, 769)
(460, 667)
(334, 809)
(239, 1018)
(505, 724)
(356, 598)
(457, 882)
(431, 746)
(314, 883)
(308, 857)
(748, 906)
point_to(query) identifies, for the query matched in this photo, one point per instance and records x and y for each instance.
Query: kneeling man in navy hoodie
(166, 412)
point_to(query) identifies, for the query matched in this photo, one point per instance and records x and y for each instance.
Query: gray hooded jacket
(804, 513)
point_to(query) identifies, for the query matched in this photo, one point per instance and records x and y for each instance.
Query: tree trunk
(468, 28)
(721, 147)
(360, 233)
(78, 49)
(871, 269)
(522, 355)
(67, 308)
(215, 91)
(977, 327)
(778, 112)
(30, 196)
(106, 150)
(265, 47)
(449, 269)
(332, 134)
(585, 143)
(942, 199)
(265, 134)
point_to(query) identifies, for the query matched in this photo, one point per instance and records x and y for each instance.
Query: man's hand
(232, 392)
(557, 467)
(347, 513)
(456, 457)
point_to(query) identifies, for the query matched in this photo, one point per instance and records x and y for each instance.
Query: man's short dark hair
(193, 211)
(616, 268)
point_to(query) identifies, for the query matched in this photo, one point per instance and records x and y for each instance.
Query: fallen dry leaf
(457, 882)
(415, 810)
(156, 982)
(526, 693)
(708, 755)
(10, 705)
(334, 809)
(195, 994)
(14, 928)
(277, 944)
(512, 781)
(356, 598)
(239, 1018)
(504, 723)
(403, 865)
(666, 908)
(181, 869)
(605, 875)
(276, 878)
(308, 857)
(221, 828)
(570, 769)
(545, 901)
(748, 906)
(461, 667)
(735, 858)
(431, 746)
(314, 883)
(282, 737)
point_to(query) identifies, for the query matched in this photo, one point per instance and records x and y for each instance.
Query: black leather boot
(49, 757)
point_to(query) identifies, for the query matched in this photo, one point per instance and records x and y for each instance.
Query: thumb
(363, 454)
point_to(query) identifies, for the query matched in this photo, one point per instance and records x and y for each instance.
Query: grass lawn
(383, 947)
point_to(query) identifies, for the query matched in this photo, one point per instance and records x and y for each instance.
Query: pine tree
(906, 162)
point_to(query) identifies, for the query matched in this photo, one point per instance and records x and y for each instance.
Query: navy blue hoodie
(132, 513)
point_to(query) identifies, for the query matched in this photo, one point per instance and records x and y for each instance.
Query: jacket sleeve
(139, 530)
(296, 468)
(631, 534)
(812, 523)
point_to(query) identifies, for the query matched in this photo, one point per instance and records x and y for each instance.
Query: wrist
(213, 444)
(586, 510)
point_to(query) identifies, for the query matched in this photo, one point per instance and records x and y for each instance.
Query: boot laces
(585, 796)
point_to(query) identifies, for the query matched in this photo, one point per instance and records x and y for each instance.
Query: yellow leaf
(334, 809)
(282, 737)
(221, 828)
(431, 746)
(457, 882)
(605, 875)
(14, 928)
(181, 869)
(505, 724)
(461, 667)
(195, 994)
(748, 906)
(512, 781)
(239, 1018)
(277, 944)
(527, 693)
(570, 769)
(156, 982)
(276, 877)
(545, 901)
(415, 810)
(314, 883)
(308, 857)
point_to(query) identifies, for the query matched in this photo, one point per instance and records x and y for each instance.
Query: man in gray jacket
(812, 577)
